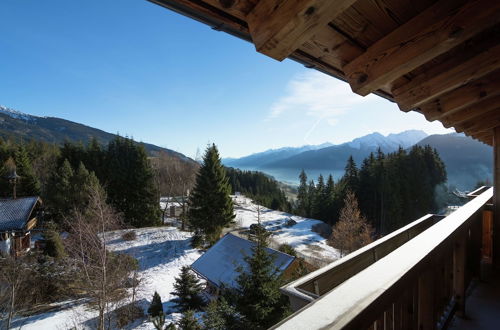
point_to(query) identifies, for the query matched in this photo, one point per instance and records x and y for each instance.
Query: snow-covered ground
(162, 251)
(300, 235)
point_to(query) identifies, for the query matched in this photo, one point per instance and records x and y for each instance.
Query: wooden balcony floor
(482, 306)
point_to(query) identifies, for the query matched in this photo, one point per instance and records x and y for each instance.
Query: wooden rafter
(487, 122)
(278, 28)
(472, 112)
(417, 92)
(462, 97)
(428, 35)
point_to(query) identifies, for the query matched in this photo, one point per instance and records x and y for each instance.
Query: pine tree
(83, 183)
(156, 307)
(210, 206)
(130, 184)
(28, 183)
(189, 321)
(54, 246)
(220, 315)
(319, 202)
(302, 195)
(330, 200)
(188, 291)
(58, 199)
(258, 298)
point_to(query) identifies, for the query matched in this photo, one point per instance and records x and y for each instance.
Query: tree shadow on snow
(154, 254)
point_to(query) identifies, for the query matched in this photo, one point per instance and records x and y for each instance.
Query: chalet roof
(218, 264)
(437, 57)
(15, 213)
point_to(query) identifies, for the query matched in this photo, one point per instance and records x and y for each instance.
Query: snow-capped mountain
(17, 114)
(388, 143)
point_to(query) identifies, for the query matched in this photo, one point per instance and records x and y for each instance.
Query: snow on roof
(218, 265)
(15, 213)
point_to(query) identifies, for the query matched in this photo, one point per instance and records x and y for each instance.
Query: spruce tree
(220, 315)
(54, 246)
(258, 297)
(58, 199)
(302, 195)
(156, 307)
(189, 321)
(188, 291)
(210, 206)
(130, 184)
(28, 183)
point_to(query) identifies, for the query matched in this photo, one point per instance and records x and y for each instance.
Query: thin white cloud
(318, 95)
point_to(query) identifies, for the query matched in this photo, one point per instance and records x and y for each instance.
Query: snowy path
(300, 235)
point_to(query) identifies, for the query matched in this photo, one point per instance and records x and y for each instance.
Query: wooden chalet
(218, 264)
(17, 218)
(440, 58)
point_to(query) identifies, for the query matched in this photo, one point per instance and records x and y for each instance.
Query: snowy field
(162, 251)
(300, 235)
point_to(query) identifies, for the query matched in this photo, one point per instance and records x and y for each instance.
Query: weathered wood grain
(418, 92)
(280, 27)
(431, 33)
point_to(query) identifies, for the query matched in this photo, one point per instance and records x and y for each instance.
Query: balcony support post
(459, 255)
(426, 292)
(496, 197)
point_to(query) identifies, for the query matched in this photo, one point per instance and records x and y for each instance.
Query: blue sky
(132, 67)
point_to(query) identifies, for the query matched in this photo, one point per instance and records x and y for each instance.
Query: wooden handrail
(411, 286)
(305, 289)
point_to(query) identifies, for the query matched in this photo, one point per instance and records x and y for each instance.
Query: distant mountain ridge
(271, 155)
(22, 126)
(320, 156)
(467, 161)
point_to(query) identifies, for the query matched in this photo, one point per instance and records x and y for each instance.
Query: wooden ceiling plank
(236, 8)
(474, 111)
(462, 97)
(278, 28)
(412, 96)
(486, 123)
(431, 33)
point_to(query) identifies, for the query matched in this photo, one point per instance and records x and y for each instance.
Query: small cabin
(17, 218)
(218, 265)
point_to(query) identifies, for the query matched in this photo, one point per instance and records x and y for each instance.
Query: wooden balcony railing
(413, 278)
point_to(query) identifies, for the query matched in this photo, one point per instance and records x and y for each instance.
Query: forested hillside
(258, 186)
(20, 126)
(66, 176)
(393, 189)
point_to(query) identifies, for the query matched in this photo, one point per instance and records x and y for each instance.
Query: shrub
(127, 314)
(129, 236)
(288, 249)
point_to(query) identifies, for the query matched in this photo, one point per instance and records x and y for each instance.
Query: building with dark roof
(218, 265)
(17, 218)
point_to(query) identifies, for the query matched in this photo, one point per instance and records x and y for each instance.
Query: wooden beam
(487, 122)
(278, 28)
(474, 111)
(433, 32)
(462, 97)
(416, 93)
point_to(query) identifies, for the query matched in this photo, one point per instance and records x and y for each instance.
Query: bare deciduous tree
(174, 178)
(14, 291)
(99, 274)
(352, 231)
